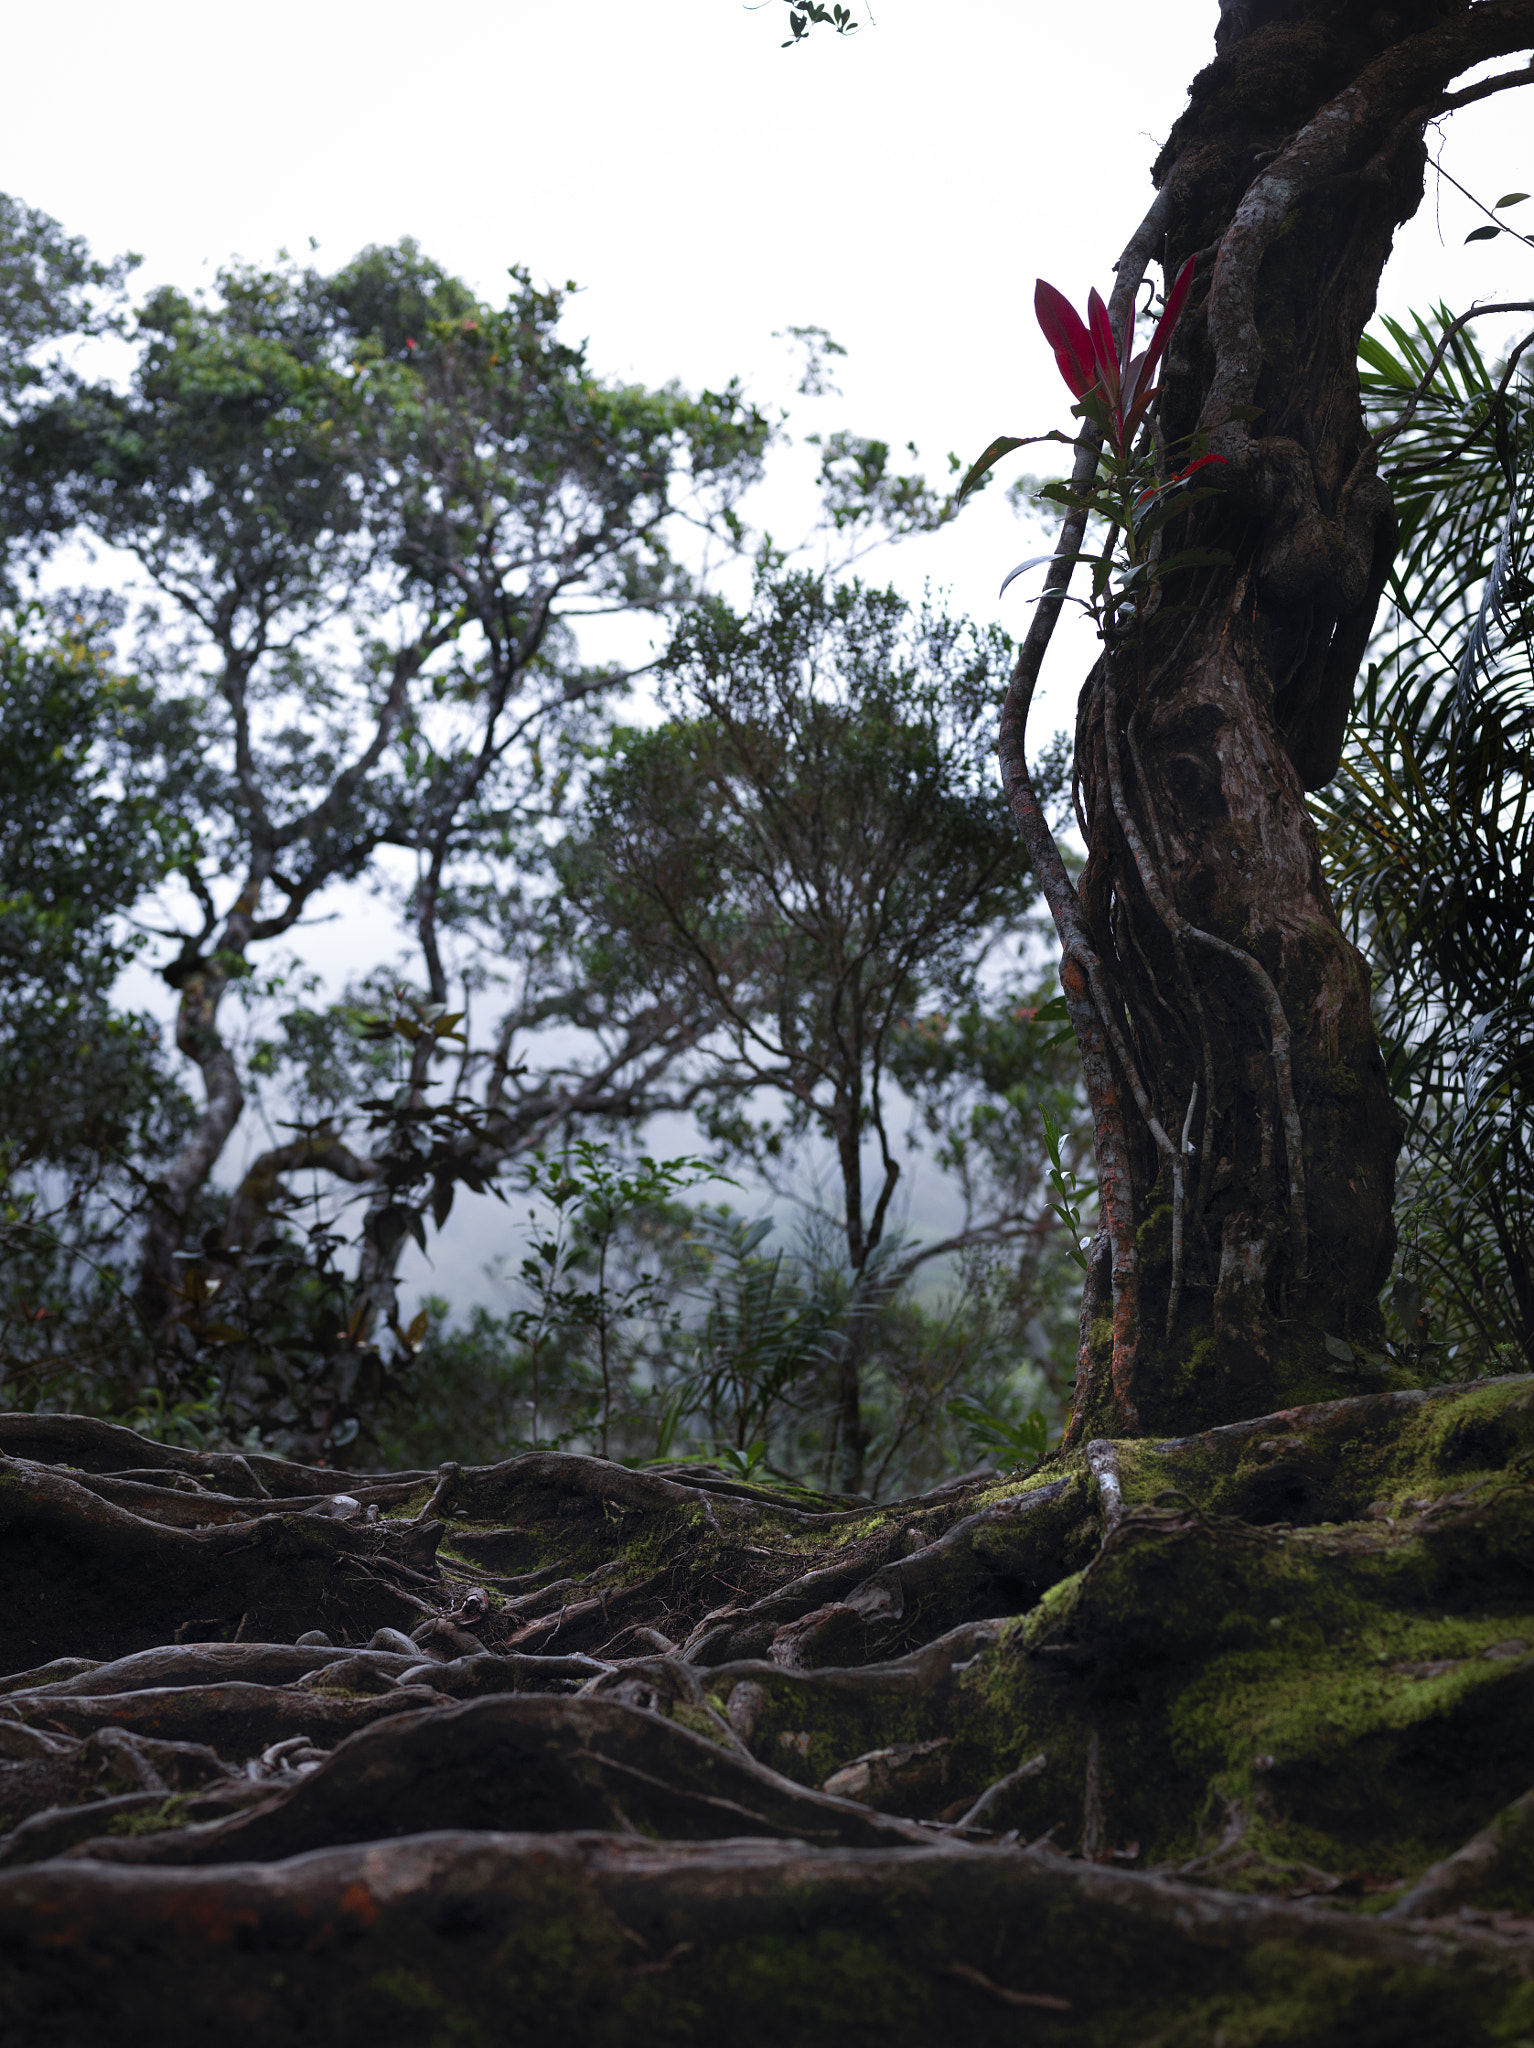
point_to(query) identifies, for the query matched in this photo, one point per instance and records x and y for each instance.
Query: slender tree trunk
(852, 1436)
(1246, 1135)
(198, 1037)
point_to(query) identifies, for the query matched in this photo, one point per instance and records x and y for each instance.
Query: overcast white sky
(902, 188)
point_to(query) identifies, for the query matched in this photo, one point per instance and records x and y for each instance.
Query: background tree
(379, 513)
(373, 536)
(87, 1106)
(811, 851)
(51, 289)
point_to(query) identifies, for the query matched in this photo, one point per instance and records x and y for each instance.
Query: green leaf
(1193, 558)
(1483, 234)
(1051, 1012)
(1384, 364)
(1340, 1349)
(1002, 445)
(1406, 1300)
(1510, 199)
(1025, 1441)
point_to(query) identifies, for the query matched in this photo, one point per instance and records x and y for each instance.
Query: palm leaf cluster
(1428, 832)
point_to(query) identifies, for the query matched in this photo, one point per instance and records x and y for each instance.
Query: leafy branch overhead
(803, 15)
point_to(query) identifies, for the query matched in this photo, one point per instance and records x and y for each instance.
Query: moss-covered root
(1338, 1461)
(998, 1560)
(1495, 1868)
(1287, 1703)
(594, 1940)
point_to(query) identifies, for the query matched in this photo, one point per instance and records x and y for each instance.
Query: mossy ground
(1299, 1667)
(1306, 1655)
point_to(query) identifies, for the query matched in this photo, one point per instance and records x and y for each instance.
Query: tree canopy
(378, 516)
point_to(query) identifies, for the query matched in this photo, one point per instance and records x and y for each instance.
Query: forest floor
(1207, 1744)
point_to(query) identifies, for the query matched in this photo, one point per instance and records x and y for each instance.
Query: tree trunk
(202, 983)
(1211, 987)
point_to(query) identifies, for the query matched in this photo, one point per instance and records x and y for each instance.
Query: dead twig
(1043, 2001)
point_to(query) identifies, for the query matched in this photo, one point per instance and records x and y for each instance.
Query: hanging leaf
(1033, 562)
(1482, 234)
(1406, 1300)
(1002, 445)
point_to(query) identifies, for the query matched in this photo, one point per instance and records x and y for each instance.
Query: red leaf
(1177, 298)
(1135, 414)
(1134, 377)
(1066, 334)
(1203, 462)
(1104, 347)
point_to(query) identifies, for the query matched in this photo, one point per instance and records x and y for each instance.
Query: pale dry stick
(1103, 1464)
(1174, 1298)
(1278, 1023)
(979, 1813)
(1081, 977)
(1474, 1870)
(1044, 2001)
(447, 1478)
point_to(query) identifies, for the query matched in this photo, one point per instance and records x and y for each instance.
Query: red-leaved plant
(1115, 391)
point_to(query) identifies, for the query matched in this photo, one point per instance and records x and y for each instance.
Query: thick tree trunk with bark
(1246, 1134)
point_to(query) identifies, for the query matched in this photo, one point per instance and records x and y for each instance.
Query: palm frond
(1503, 613)
(1428, 831)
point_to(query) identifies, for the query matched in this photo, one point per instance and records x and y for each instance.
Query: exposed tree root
(1494, 1868)
(695, 1738)
(594, 1938)
(1000, 1560)
(529, 1765)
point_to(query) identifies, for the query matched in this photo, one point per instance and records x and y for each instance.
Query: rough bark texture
(1130, 1749)
(1204, 963)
